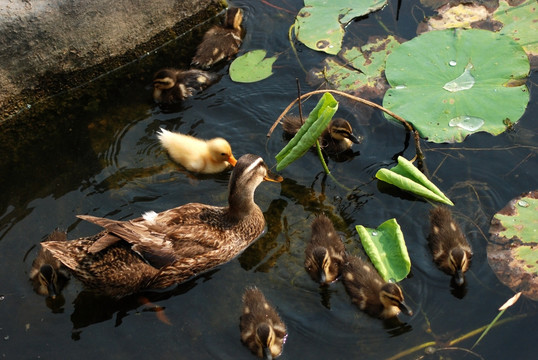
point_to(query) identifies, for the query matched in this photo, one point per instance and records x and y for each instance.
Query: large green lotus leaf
(306, 137)
(450, 83)
(251, 67)
(385, 246)
(407, 177)
(364, 67)
(513, 250)
(320, 23)
(520, 23)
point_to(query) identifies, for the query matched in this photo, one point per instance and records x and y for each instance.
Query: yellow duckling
(201, 156)
(220, 42)
(158, 250)
(262, 330)
(324, 252)
(48, 275)
(370, 292)
(337, 138)
(449, 247)
(172, 85)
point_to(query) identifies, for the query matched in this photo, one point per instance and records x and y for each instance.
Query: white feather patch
(150, 216)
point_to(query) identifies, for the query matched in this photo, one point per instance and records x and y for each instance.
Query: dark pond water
(94, 151)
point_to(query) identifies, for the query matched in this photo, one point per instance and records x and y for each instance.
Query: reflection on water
(95, 152)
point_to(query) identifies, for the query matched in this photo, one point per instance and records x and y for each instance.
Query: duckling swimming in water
(337, 138)
(370, 292)
(48, 275)
(201, 156)
(450, 249)
(262, 330)
(220, 42)
(172, 85)
(158, 250)
(325, 252)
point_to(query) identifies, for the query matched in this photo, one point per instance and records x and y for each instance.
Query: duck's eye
(223, 154)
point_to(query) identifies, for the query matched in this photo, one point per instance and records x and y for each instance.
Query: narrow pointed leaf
(306, 137)
(385, 246)
(407, 177)
(407, 169)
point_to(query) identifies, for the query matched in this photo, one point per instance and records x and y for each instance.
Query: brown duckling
(172, 85)
(48, 275)
(337, 138)
(220, 42)
(201, 156)
(262, 330)
(325, 252)
(450, 249)
(370, 292)
(158, 250)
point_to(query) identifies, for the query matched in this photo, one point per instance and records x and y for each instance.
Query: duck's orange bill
(232, 160)
(272, 177)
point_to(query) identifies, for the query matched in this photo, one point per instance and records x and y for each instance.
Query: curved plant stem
(454, 341)
(321, 159)
(408, 126)
(290, 35)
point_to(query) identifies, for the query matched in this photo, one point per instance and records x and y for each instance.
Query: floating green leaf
(449, 83)
(407, 177)
(513, 250)
(363, 70)
(306, 137)
(251, 67)
(320, 23)
(520, 23)
(385, 246)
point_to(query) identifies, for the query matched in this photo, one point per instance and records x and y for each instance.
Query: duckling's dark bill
(405, 309)
(353, 138)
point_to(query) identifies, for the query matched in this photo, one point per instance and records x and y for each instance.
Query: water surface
(97, 154)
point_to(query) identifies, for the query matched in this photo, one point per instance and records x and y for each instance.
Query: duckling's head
(341, 130)
(459, 263)
(234, 18)
(164, 79)
(319, 266)
(46, 281)
(392, 298)
(220, 150)
(269, 348)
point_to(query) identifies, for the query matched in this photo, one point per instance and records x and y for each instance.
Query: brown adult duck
(450, 249)
(325, 252)
(262, 330)
(370, 292)
(337, 138)
(220, 42)
(160, 249)
(173, 86)
(48, 275)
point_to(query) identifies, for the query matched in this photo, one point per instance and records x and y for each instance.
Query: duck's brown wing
(165, 237)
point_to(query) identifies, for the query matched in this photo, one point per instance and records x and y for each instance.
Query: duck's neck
(241, 203)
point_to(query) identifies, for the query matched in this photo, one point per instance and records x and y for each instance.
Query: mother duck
(158, 250)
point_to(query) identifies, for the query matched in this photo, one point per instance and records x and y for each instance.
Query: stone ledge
(51, 46)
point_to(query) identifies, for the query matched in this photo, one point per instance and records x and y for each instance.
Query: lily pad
(520, 23)
(320, 23)
(251, 67)
(361, 69)
(441, 78)
(306, 137)
(513, 248)
(385, 246)
(407, 177)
